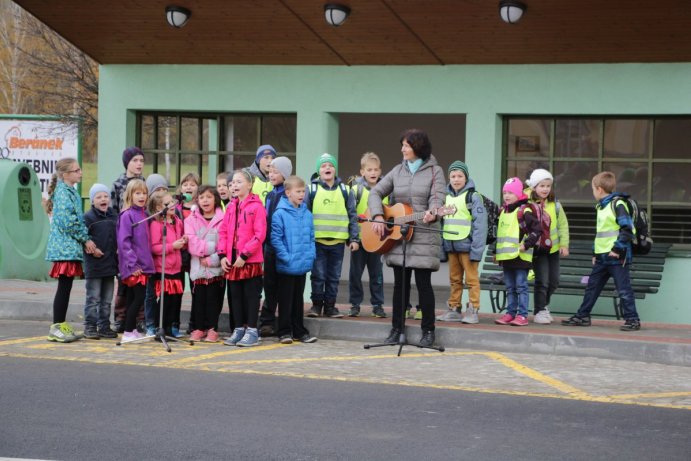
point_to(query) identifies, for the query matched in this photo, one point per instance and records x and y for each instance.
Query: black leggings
(135, 300)
(423, 282)
(62, 298)
(207, 304)
(245, 301)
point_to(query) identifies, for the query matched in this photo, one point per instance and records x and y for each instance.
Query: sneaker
(250, 339)
(354, 311)
(333, 313)
(266, 330)
(90, 332)
(211, 336)
(427, 339)
(62, 333)
(408, 312)
(175, 331)
(197, 335)
(314, 311)
(237, 335)
(470, 315)
(519, 321)
(307, 339)
(130, 336)
(542, 318)
(576, 321)
(451, 315)
(107, 333)
(150, 331)
(285, 339)
(631, 325)
(394, 336)
(549, 314)
(418, 313)
(504, 319)
(378, 312)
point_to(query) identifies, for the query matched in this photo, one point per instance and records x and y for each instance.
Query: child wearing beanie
(517, 233)
(335, 226)
(101, 267)
(466, 245)
(547, 254)
(260, 171)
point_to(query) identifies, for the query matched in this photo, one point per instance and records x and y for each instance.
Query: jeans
(423, 283)
(326, 271)
(596, 282)
(150, 307)
(546, 268)
(99, 295)
(358, 261)
(516, 281)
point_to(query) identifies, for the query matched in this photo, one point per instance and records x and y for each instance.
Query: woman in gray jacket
(418, 181)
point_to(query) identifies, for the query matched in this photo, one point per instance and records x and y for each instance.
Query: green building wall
(317, 94)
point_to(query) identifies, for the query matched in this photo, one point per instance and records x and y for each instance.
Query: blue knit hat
(95, 189)
(266, 149)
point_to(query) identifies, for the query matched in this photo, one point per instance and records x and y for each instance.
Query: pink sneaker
(130, 336)
(519, 321)
(211, 336)
(504, 319)
(197, 335)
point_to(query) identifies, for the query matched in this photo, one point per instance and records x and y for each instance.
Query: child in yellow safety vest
(546, 255)
(514, 250)
(465, 245)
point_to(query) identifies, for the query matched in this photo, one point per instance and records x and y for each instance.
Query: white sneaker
(470, 315)
(543, 318)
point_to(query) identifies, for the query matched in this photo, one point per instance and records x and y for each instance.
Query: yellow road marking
(227, 351)
(651, 395)
(338, 358)
(9, 342)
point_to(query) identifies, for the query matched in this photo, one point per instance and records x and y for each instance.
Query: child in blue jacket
(292, 237)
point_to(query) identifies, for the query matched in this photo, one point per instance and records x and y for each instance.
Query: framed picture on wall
(527, 143)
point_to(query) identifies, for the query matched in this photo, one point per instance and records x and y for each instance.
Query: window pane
(166, 167)
(242, 134)
(167, 133)
(672, 138)
(280, 132)
(189, 163)
(528, 138)
(190, 134)
(572, 180)
(671, 182)
(632, 178)
(522, 169)
(627, 138)
(147, 132)
(577, 138)
(205, 135)
(149, 160)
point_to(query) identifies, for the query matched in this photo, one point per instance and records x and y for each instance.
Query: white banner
(39, 143)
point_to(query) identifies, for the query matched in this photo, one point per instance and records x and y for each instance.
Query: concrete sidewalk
(655, 343)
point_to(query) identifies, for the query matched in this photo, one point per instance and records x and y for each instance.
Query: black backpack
(642, 242)
(492, 214)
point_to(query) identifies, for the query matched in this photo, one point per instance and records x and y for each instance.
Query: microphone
(183, 197)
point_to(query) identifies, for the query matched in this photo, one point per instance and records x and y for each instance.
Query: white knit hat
(538, 175)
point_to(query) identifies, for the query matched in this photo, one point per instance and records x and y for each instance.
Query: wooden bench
(646, 275)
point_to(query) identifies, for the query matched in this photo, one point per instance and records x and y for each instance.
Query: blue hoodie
(292, 237)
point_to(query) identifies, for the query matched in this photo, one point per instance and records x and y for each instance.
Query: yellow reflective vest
(508, 237)
(261, 188)
(607, 230)
(460, 221)
(330, 214)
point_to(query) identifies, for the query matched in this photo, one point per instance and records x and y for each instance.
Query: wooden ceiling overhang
(378, 32)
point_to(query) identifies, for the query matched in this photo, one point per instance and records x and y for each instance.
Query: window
(176, 144)
(651, 158)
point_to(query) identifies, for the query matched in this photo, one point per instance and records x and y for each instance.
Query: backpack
(545, 239)
(315, 186)
(492, 214)
(642, 242)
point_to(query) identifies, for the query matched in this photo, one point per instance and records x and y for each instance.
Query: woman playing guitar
(419, 181)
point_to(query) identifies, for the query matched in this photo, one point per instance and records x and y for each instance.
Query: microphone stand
(402, 339)
(160, 334)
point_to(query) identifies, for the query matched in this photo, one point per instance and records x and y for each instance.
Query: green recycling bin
(24, 225)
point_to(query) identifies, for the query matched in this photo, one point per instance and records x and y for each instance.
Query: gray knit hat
(156, 181)
(283, 165)
(95, 189)
(458, 165)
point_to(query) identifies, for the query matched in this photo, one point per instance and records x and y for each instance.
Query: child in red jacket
(240, 240)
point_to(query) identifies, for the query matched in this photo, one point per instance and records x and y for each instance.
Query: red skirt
(133, 280)
(210, 281)
(67, 268)
(248, 271)
(172, 287)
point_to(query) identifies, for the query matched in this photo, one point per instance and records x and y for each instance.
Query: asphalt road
(330, 401)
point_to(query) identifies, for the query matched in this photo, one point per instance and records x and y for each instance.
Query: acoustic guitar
(400, 213)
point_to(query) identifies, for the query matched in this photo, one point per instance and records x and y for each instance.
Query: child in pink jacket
(162, 205)
(208, 284)
(241, 237)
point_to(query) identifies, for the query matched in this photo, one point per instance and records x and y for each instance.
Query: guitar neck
(409, 218)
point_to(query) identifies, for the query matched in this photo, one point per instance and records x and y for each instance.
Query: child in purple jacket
(134, 253)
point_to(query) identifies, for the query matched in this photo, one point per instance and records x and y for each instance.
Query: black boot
(316, 309)
(330, 310)
(427, 339)
(393, 337)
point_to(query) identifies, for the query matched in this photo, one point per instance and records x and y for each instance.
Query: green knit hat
(327, 158)
(458, 165)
